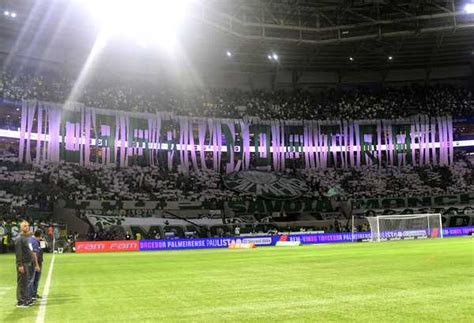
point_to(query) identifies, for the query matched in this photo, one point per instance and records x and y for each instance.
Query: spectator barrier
(209, 243)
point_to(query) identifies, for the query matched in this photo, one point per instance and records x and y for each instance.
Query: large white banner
(86, 135)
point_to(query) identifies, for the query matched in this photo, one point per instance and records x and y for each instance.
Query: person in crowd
(5, 242)
(220, 232)
(51, 232)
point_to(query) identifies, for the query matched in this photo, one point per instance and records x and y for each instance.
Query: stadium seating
(39, 186)
(148, 97)
(35, 188)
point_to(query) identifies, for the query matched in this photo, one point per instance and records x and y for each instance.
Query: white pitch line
(4, 290)
(42, 307)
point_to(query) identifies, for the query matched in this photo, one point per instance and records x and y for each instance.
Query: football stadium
(236, 161)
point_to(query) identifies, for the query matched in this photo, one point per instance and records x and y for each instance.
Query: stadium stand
(40, 186)
(133, 133)
(361, 103)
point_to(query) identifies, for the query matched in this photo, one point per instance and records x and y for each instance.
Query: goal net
(405, 226)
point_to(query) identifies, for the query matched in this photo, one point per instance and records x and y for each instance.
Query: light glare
(275, 56)
(6, 13)
(150, 21)
(13, 15)
(469, 8)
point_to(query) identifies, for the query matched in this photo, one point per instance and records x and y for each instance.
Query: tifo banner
(415, 201)
(462, 202)
(107, 221)
(266, 184)
(106, 246)
(75, 133)
(266, 206)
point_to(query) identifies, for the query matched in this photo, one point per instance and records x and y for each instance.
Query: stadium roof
(325, 34)
(306, 35)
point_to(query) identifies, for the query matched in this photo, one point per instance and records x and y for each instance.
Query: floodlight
(469, 8)
(390, 58)
(13, 14)
(155, 21)
(270, 57)
(229, 54)
(351, 59)
(6, 13)
(275, 56)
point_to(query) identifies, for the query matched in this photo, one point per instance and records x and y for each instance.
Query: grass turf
(430, 280)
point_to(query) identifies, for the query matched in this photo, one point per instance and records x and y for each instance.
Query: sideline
(42, 307)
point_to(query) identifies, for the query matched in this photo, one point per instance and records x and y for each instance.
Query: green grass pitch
(429, 280)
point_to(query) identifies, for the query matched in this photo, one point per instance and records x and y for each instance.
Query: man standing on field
(34, 279)
(25, 257)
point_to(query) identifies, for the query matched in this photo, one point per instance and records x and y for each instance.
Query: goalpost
(405, 226)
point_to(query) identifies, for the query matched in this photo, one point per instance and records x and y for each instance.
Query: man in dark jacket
(25, 258)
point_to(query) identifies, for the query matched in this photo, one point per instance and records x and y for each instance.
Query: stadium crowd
(139, 96)
(26, 187)
(38, 186)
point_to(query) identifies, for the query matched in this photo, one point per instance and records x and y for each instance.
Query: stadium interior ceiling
(325, 34)
(329, 36)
